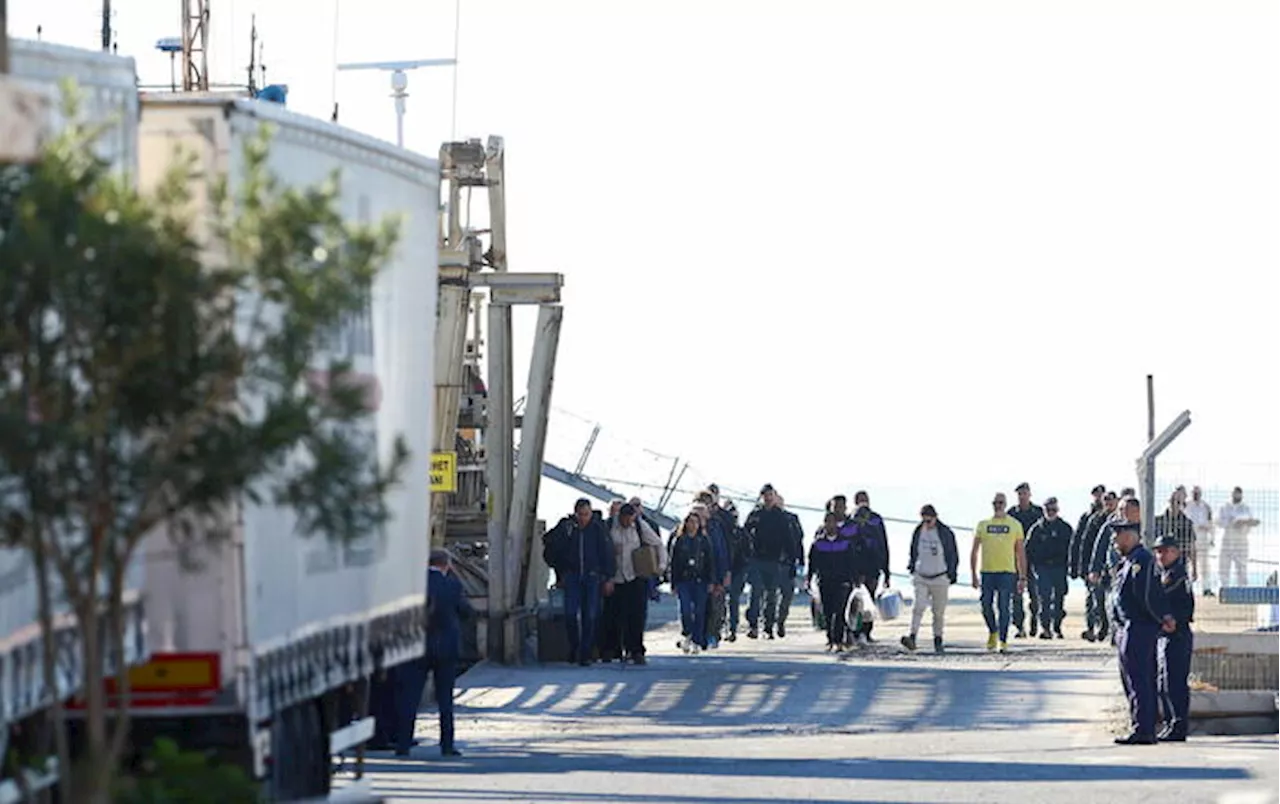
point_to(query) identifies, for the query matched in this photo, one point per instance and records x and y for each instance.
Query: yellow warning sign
(444, 472)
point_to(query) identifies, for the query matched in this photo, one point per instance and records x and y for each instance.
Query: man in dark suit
(447, 605)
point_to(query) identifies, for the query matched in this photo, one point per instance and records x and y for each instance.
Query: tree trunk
(49, 646)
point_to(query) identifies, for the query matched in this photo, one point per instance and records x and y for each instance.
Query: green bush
(173, 776)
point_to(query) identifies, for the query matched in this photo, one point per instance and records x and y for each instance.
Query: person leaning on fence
(933, 564)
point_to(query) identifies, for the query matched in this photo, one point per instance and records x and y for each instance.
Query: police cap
(1166, 541)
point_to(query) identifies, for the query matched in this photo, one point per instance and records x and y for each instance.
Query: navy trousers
(410, 679)
(444, 673)
(1136, 644)
(1175, 667)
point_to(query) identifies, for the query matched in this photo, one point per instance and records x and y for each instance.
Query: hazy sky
(887, 245)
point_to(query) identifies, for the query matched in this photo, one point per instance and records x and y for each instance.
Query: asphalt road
(779, 721)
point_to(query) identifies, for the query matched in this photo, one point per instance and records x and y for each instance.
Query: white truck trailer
(264, 649)
(108, 95)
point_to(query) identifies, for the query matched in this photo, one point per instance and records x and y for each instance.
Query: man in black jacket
(1077, 539)
(933, 565)
(739, 560)
(581, 552)
(769, 529)
(1048, 551)
(1096, 625)
(787, 574)
(873, 553)
(1027, 513)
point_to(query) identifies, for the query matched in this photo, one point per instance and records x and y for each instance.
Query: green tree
(157, 369)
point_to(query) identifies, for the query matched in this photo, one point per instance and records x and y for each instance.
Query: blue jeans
(997, 588)
(693, 610)
(1051, 584)
(581, 614)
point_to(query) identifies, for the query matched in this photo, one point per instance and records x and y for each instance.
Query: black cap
(1052, 501)
(438, 557)
(766, 488)
(1120, 527)
(1166, 541)
(627, 509)
(1023, 486)
(928, 510)
(713, 487)
(1098, 489)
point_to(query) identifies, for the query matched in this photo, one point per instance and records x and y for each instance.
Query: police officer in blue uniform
(1174, 656)
(1140, 610)
(447, 605)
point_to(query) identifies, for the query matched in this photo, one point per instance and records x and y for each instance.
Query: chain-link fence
(1236, 512)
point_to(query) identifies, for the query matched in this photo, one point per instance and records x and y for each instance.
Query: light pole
(399, 82)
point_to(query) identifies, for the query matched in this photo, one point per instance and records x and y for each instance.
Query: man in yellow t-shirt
(1004, 569)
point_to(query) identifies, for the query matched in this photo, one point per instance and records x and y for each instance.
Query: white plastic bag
(889, 604)
(860, 608)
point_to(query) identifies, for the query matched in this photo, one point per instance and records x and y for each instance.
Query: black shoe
(1022, 634)
(733, 637)
(909, 642)
(1033, 628)
(450, 752)
(1173, 736)
(753, 634)
(402, 752)
(1137, 739)
(937, 645)
(1046, 635)
(782, 630)
(584, 662)
(1088, 636)
(768, 633)
(1058, 633)
(639, 659)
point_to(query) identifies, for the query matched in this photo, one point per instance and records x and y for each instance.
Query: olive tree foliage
(156, 368)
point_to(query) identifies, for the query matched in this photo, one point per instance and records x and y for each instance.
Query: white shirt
(626, 541)
(1200, 514)
(1228, 515)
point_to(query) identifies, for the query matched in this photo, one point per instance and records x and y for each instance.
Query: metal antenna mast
(399, 82)
(195, 45)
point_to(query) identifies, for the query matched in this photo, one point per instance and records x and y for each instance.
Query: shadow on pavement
(526, 763)
(774, 693)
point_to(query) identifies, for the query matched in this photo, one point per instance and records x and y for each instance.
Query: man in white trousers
(933, 563)
(1237, 521)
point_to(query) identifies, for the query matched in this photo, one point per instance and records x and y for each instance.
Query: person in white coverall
(1236, 520)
